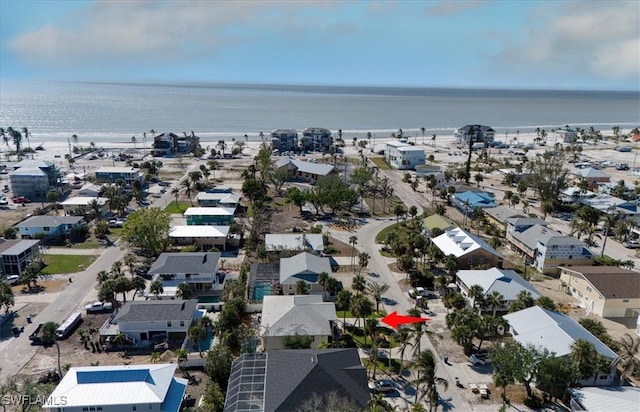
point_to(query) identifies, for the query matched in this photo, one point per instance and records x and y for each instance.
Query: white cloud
(452, 8)
(599, 38)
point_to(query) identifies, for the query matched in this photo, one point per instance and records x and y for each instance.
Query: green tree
(343, 302)
(361, 307)
(147, 229)
(302, 288)
(213, 398)
(7, 298)
(49, 337)
(547, 177)
(297, 341)
(377, 290)
(427, 381)
(52, 197)
(363, 261)
(138, 284)
(353, 241)
(523, 300)
(297, 197)
(358, 283)
(10, 233)
(182, 355)
(184, 291)
(156, 288)
(545, 302)
(494, 300)
(187, 184)
(555, 375)
(218, 365)
(196, 335)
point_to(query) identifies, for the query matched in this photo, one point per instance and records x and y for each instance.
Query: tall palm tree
(377, 290)
(181, 355)
(301, 287)
(629, 347)
(196, 335)
(353, 241)
(363, 261)
(494, 300)
(188, 188)
(26, 136)
(49, 337)
(403, 336)
(134, 141)
(426, 367)
(184, 291)
(358, 283)
(476, 292)
(156, 288)
(361, 307)
(138, 284)
(343, 302)
(323, 277)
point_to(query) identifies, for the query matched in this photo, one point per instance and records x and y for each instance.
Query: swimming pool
(260, 290)
(208, 299)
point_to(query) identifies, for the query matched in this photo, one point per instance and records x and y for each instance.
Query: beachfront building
(111, 174)
(15, 255)
(316, 139)
(170, 144)
(557, 332)
(197, 269)
(49, 227)
(468, 201)
(152, 388)
(545, 248)
(206, 237)
(506, 282)
(304, 315)
(566, 134)
(218, 198)
(284, 140)
(480, 133)
(470, 251)
(607, 291)
(286, 380)
(294, 242)
(215, 216)
(33, 179)
(404, 156)
(304, 171)
(81, 205)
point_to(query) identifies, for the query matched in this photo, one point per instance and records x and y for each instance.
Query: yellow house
(606, 291)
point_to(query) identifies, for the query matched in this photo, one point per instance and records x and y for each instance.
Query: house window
(85, 408)
(46, 228)
(602, 377)
(168, 323)
(470, 260)
(181, 323)
(99, 408)
(625, 300)
(133, 408)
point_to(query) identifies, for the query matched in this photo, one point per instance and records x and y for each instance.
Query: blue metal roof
(174, 395)
(111, 376)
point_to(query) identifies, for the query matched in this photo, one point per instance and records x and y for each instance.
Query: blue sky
(484, 44)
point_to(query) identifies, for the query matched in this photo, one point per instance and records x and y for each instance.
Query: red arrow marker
(394, 320)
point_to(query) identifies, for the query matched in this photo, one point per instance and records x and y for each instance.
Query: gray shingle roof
(192, 262)
(156, 310)
(320, 169)
(502, 213)
(49, 221)
(301, 266)
(288, 378)
(546, 236)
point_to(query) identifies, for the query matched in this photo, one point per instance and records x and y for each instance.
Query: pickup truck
(99, 307)
(479, 360)
(36, 336)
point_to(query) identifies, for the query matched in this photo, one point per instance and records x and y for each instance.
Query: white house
(305, 315)
(82, 204)
(469, 250)
(557, 332)
(118, 388)
(404, 156)
(197, 269)
(224, 199)
(306, 267)
(204, 236)
(481, 134)
(145, 319)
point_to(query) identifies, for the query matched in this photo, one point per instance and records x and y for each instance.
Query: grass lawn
(380, 162)
(56, 264)
(180, 207)
(89, 244)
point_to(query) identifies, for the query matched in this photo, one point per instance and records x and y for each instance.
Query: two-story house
(112, 174)
(305, 267)
(215, 216)
(469, 250)
(49, 227)
(316, 139)
(404, 156)
(15, 255)
(33, 179)
(284, 140)
(197, 269)
(206, 237)
(477, 132)
(218, 198)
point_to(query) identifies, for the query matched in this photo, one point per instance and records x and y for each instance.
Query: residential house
(284, 140)
(205, 237)
(197, 269)
(480, 133)
(557, 332)
(425, 171)
(613, 205)
(286, 380)
(33, 179)
(607, 291)
(117, 388)
(306, 267)
(81, 205)
(622, 189)
(298, 242)
(141, 320)
(436, 221)
(468, 201)
(469, 250)
(500, 214)
(316, 139)
(591, 176)
(506, 282)
(305, 315)
(606, 398)
(307, 171)
(90, 190)
(49, 227)
(168, 144)
(224, 199)
(573, 194)
(112, 174)
(15, 255)
(404, 156)
(215, 216)
(547, 249)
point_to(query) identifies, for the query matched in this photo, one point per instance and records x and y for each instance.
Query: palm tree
(323, 277)
(188, 188)
(138, 284)
(361, 307)
(181, 355)
(363, 261)
(301, 287)
(426, 367)
(155, 356)
(156, 288)
(377, 290)
(134, 141)
(343, 302)
(358, 283)
(184, 291)
(26, 136)
(476, 292)
(176, 192)
(49, 337)
(102, 277)
(494, 300)
(196, 335)
(130, 261)
(403, 336)
(353, 241)
(629, 347)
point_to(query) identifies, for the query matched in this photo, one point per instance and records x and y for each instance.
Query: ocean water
(113, 112)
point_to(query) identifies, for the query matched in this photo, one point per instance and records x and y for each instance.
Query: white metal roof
(608, 398)
(209, 211)
(293, 241)
(459, 243)
(117, 169)
(115, 385)
(507, 282)
(223, 197)
(84, 201)
(199, 231)
(301, 314)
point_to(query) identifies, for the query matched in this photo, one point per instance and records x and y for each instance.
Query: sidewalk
(72, 251)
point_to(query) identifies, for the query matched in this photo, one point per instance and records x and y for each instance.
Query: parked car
(420, 291)
(20, 199)
(632, 244)
(4, 201)
(479, 360)
(12, 279)
(98, 307)
(382, 385)
(116, 223)
(36, 336)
